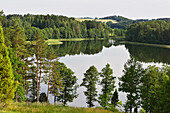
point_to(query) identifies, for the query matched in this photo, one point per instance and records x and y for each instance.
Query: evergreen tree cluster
(7, 80)
(27, 66)
(150, 32)
(109, 96)
(146, 88)
(56, 27)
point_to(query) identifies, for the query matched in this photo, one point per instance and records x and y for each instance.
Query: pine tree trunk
(37, 81)
(131, 105)
(130, 109)
(64, 100)
(90, 105)
(48, 84)
(54, 99)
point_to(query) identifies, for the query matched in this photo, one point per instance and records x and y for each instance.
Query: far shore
(146, 44)
(60, 41)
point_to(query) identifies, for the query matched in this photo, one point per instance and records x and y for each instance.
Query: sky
(133, 9)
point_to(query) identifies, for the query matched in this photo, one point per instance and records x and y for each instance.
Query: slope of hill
(98, 20)
(123, 22)
(117, 18)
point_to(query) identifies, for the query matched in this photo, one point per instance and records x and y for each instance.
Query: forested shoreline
(55, 27)
(157, 32)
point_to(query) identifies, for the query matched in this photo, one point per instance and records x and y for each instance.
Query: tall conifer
(108, 85)
(91, 77)
(7, 84)
(40, 49)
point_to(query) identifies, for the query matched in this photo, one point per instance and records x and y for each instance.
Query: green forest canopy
(150, 32)
(56, 27)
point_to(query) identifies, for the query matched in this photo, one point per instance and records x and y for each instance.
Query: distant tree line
(55, 27)
(117, 18)
(150, 32)
(124, 22)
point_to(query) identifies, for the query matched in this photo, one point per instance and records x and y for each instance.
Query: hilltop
(98, 20)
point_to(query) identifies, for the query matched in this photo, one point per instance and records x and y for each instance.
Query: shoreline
(60, 41)
(146, 44)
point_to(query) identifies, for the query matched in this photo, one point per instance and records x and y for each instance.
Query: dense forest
(55, 27)
(150, 32)
(124, 23)
(147, 88)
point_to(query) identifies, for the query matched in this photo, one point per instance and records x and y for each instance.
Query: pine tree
(7, 83)
(27, 66)
(15, 38)
(107, 85)
(56, 33)
(40, 51)
(89, 81)
(56, 82)
(43, 97)
(32, 87)
(1, 16)
(50, 56)
(69, 81)
(130, 83)
(153, 88)
(115, 98)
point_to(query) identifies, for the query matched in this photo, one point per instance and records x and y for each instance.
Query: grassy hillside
(98, 20)
(47, 108)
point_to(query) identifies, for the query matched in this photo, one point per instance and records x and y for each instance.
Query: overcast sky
(133, 9)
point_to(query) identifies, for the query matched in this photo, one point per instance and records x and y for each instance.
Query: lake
(79, 56)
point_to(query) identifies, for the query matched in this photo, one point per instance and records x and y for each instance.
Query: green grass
(53, 42)
(60, 41)
(98, 20)
(47, 108)
(146, 44)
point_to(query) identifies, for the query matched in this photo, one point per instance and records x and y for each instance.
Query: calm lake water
(79, 56)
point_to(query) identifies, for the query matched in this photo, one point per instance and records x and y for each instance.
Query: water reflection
(149, 54)
(116, 56)
(78, 47)
(79, 56)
